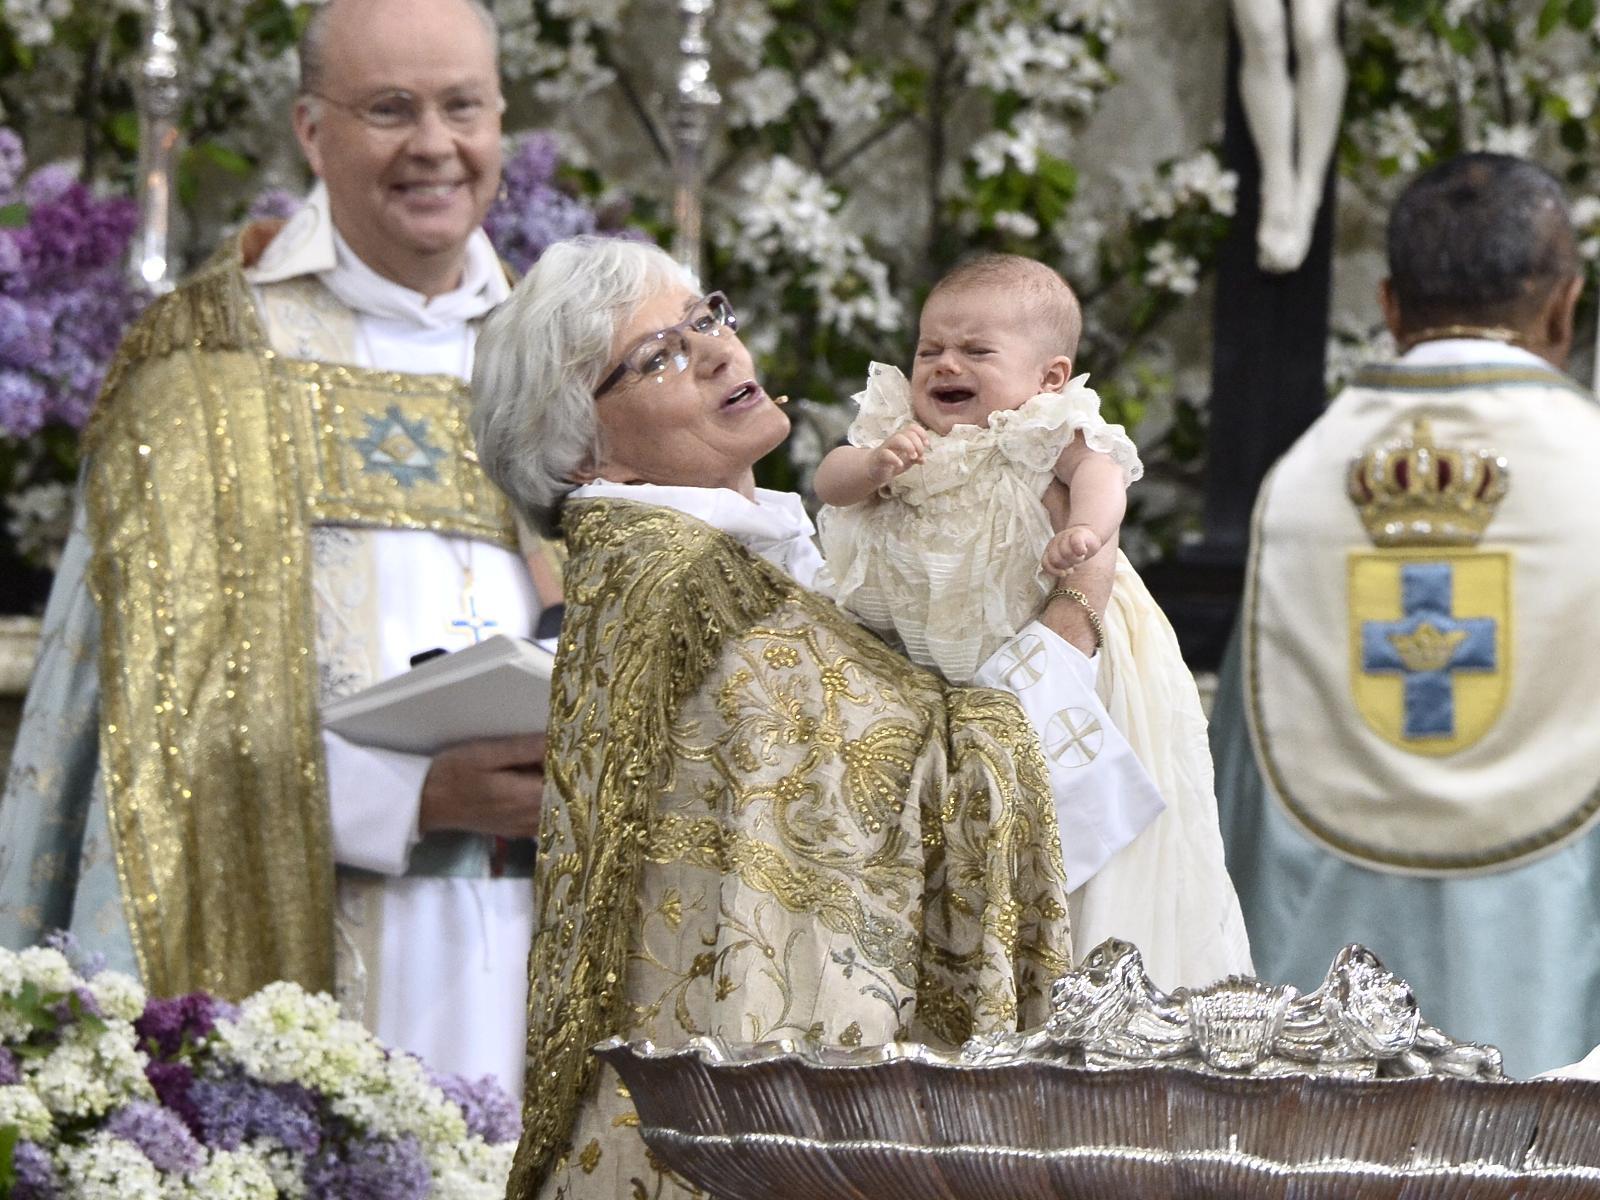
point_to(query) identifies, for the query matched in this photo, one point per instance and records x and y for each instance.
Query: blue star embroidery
(399, 447)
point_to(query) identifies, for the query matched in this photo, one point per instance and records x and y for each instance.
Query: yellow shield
(1430, 644)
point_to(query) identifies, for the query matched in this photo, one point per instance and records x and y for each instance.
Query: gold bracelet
(1082, 602)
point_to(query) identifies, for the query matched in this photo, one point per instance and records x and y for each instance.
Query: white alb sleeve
(373, 799)
(1103, 795)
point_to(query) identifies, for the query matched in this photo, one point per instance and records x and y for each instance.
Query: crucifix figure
(1293, 120)
(1274, 277)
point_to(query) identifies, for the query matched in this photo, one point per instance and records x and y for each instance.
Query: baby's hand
(899, 452)
(1073, 545)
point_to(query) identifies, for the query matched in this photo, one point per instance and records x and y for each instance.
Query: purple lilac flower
(64, 302)
(167, 1024)
(24, 334)
(531, 212)
(490, 1113)
(370, 1168)
(10, 258)
(533, 158)
(87, 963)
(49, 182)
(87, 1005)
(12, 161)
(23, 403)
(172, 1083)
(236, 1110)
(69, 231)
(36, 1177)
(10, 1072)
(159, 1134)
(275, 203)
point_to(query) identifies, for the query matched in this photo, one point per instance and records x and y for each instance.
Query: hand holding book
(492, 785)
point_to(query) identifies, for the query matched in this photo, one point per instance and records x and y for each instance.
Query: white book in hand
(497, 688)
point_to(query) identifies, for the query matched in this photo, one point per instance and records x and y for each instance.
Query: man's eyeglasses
(667, 351)
(397, 109)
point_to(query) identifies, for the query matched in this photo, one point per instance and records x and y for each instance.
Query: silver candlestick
(160, 100)
(696, 102)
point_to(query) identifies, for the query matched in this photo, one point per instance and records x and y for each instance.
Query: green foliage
(86, 71)
(1430, 79)
(9, 1136)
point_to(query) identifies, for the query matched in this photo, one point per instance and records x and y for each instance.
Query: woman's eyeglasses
(667, 351)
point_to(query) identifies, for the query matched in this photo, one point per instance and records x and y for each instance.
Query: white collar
(773, 525)
(310, 245)
(1463, 352)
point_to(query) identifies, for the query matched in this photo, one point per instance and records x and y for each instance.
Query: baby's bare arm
(1099, 498)
(1098, 491)
(842, 479)
(851, 474)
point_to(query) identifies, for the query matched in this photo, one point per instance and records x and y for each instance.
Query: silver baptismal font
(1240, 1088)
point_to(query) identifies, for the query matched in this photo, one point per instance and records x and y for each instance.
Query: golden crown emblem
(1411, 491)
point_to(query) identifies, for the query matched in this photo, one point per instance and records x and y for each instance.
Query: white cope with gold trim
(1420, 701)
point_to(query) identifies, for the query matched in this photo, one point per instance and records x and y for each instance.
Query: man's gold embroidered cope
(210, 459)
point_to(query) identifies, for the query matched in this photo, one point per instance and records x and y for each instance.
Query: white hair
(540, 356)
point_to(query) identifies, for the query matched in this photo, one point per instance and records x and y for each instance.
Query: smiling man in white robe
(280, 507)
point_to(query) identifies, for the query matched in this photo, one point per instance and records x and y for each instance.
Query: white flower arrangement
(845, 92)
(104, 1167)
(1200, 178)
(91, 1071)
(1170, 270)
(280, 1098)
(22, 1109)
(762, 98)
(790, 223)
(284, 1034)
(1396, 139)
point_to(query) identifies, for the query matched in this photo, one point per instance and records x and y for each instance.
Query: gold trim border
(1397, 377)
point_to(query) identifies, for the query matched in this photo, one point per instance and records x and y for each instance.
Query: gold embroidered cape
(761, 823)
(210, 459)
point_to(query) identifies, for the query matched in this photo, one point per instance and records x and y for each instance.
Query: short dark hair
(1479, 239)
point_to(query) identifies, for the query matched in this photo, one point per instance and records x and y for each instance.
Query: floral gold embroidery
(769, 826)
(779, 657)
(589, 1158)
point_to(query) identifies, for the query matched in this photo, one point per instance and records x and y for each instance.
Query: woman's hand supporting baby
(851, 474)
(1093, 577)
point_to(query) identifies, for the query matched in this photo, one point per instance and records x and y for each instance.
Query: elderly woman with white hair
(759, 821)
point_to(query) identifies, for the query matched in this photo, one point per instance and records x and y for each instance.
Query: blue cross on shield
(1438, 641)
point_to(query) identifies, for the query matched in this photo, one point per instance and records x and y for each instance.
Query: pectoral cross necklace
(470, 619)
